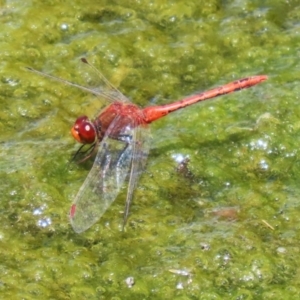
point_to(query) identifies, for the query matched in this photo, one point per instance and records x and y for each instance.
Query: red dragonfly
(120, 139)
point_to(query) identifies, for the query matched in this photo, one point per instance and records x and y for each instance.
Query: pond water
(222, 225)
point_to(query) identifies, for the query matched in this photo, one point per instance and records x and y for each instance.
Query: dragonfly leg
(85, 153)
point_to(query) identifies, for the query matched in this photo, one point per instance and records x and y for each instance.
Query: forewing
(98, 84)
(105, 179)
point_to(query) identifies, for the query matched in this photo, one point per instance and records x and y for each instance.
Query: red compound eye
(84, 131)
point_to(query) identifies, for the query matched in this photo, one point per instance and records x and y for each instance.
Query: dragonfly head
(84, 130)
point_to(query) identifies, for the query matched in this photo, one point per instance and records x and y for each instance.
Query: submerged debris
(129, 281)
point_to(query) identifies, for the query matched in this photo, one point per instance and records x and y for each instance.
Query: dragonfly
(118, 139)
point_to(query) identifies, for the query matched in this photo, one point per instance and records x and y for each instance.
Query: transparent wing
(100, 86)
(141, 148)
(103, 183)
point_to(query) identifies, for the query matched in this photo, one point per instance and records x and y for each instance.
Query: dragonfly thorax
(84, 131)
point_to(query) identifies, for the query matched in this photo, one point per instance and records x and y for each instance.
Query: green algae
(243, 151)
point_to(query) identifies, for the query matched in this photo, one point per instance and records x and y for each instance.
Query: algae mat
(224, 225)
